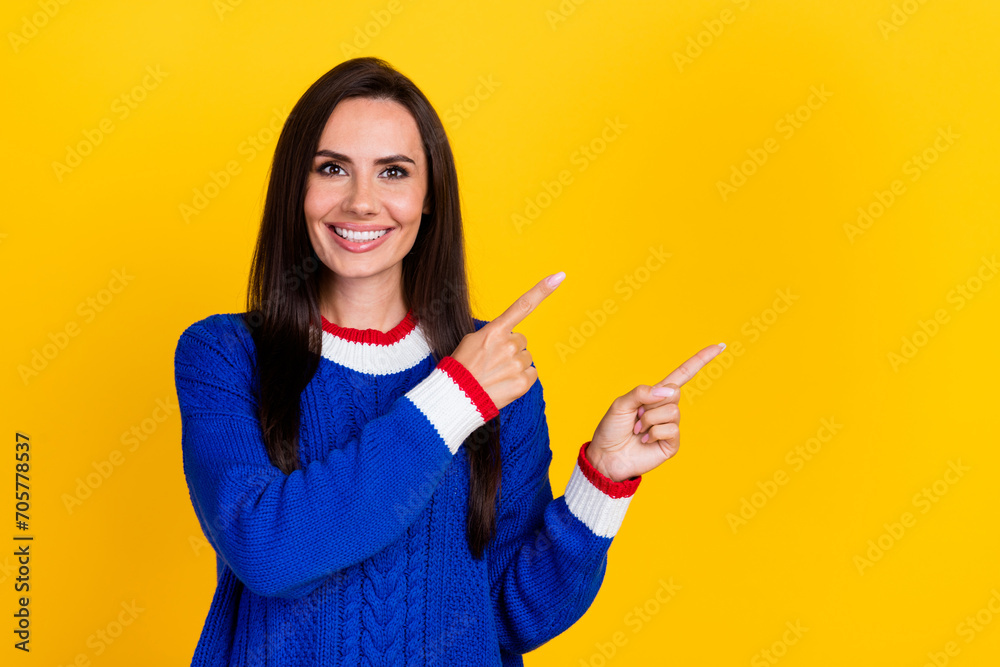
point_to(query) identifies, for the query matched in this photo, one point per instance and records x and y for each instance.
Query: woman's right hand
(498, 357)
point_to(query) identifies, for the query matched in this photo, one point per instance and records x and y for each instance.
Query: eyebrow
(382, 160)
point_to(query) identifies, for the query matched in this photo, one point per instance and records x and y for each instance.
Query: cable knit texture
(360, 556)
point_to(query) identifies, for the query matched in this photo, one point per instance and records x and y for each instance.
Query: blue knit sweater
(360, 557)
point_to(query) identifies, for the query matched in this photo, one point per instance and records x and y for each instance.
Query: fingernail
(663, 392)
(722, 345)
(645, 438)
(555, 279)
(636, 428)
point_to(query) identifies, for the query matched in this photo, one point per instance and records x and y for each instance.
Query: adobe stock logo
(464, 108)
(582, 158)
(105, 467)
(796, 457)
(252, 146)
(363, 36)
(636, 619)
(968, 629)
(926, 330)
(753, 329)
(223, 7)
(778, 649)
(101, 640)
(122, 107)
(922, 500)
(60, 339)
(705, 38)
(914, 167)
(787, 126)
(31, 25)
(899, 16)
(627, 286)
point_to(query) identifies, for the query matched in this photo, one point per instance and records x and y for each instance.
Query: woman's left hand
(640, 430)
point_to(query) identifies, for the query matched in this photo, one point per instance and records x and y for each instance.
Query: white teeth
(359, 236)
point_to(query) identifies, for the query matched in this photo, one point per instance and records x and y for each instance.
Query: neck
(373, 302)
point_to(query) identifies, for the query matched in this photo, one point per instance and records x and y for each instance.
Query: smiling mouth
(358, 236)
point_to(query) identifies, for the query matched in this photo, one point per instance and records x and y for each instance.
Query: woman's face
(369, 174)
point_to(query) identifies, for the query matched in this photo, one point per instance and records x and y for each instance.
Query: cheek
(405, 207)
(318, 201)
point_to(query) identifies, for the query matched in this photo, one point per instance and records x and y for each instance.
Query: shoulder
(219, 337)
(214, 366)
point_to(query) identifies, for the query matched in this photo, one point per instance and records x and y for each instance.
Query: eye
(395, 172)
(322, 168)
(398, 169)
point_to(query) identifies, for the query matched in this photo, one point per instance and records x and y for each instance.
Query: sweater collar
(373, 351)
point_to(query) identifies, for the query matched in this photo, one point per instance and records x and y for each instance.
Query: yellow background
(556, 80)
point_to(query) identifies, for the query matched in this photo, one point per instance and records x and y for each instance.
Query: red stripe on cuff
(470, 385)
(606, 485)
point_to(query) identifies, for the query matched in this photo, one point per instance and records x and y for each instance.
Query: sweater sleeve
(549, 556)
(283, 534)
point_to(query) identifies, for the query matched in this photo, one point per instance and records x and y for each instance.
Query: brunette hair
(283, 291)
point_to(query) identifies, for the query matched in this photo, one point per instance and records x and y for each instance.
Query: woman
(323, 429)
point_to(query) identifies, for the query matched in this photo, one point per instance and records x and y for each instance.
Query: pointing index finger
(689, 368)
(525, 304)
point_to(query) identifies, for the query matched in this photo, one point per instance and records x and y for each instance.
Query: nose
(362, 198)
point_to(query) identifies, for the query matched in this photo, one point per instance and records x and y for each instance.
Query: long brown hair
(283, 291)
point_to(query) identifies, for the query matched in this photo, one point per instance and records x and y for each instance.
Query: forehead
(366, 128)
